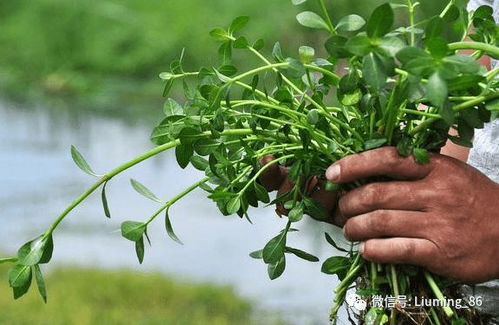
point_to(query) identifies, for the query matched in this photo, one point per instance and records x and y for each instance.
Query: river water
(38, 179)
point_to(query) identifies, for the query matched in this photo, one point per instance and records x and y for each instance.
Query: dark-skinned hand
(443, 215)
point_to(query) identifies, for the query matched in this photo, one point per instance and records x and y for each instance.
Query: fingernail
(333, 172)
(361, 248)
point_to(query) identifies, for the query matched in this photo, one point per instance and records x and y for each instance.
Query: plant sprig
(379, 85)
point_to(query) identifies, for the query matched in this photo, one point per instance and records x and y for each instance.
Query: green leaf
(390, 46)
(274, 249)
(276, 269)
(81, 162)
(436, 90)
(105, 204)
(169, 228)
(40, 282)
(19, 275)
(20, 279)
(142, 190)
(298, 2)
(133, 230)
(31, 253)
(306, 54)
(139, 249)
(257, 254)
(381, 21)
(330, 186)
(234, 205)
(350, 23)
(331, 242)
(373, 71)
(421, 156)
(335, 46)
(359, 45)
(301, 254)
(241, 43)
(172, 108)
(405, 147)
(223, 78)
(410, 53)
(205, 146)
(438, 47)
(312, 20)
(168, 87)
(259, 44)
(220, 34)
(183, 153)
(296, 213)
(261, 193)
(374, 143)
(335, 265)
(351, 98)
(277, 52)
(199, 163)
(492, 105)
(313, 116)
(225, 52)
(238, 23)
(462, 63)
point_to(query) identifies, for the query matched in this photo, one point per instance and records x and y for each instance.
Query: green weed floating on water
(308, 116)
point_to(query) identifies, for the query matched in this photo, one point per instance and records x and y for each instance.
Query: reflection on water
(38, 179)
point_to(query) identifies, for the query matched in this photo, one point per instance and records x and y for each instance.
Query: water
(38, 179)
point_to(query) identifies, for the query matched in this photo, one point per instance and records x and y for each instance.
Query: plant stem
(492, 74)
(176, 198)
(491, 49)
(446, 9)
(411, 21)
(395, 285)
(127, 165)
(8, 260)
(470, 103)
(323, 71)
(421, 113)
(438, 293)
(269, 66)
(263, 169)
(326, 16)
(435, 316)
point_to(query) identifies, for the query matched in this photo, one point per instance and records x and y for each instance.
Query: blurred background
(84, 72)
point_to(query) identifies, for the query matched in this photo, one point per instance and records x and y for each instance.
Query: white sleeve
(474, 4)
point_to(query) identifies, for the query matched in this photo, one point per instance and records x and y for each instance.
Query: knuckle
(344, 205)
(375, 221)
(407, 249)
(371, 192)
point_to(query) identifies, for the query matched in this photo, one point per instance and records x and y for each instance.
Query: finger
(396, 195)
(414, 251)
(387, 223)
(379, 162)
(273, 176)
(327, 199)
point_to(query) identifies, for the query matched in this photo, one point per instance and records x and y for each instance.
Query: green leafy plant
(379, 85)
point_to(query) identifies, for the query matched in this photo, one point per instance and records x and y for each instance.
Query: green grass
(109, 52)
(87, 296)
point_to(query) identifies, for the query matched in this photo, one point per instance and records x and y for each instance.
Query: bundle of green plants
(379, 85)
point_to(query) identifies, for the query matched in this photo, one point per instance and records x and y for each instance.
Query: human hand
(443, 215)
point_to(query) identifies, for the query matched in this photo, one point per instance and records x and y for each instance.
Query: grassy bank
(88, 297)
(109, 52)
